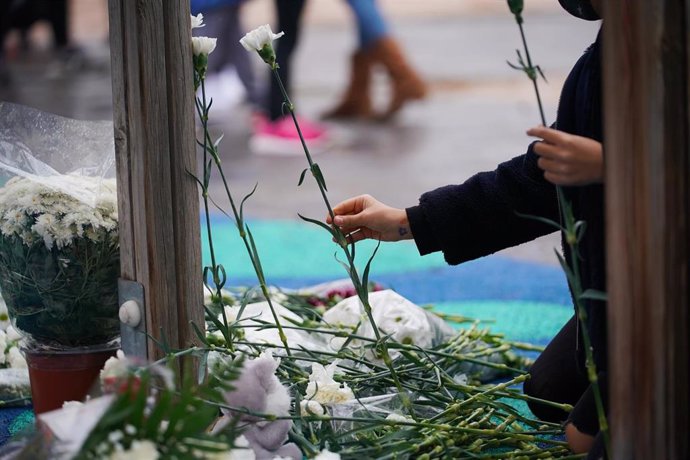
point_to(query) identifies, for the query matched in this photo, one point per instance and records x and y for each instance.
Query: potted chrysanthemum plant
(59, 265)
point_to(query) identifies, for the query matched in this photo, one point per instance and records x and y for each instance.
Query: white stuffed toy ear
(277, 396)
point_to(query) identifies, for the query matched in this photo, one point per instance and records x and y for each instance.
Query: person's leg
(242, 60)
(557, 375)
(217, 22)
(58, 16)
(371, 25)
(582, 425)
(289, 18)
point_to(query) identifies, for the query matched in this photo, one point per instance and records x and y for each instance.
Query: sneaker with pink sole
(280, 137)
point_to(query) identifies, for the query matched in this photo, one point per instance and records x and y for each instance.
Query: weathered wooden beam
(646, 45)
(153, 104)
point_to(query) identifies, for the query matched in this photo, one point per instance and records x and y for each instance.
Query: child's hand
(365, 217)
(568, 159)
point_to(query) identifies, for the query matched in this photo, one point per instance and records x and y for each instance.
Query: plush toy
(259, 390)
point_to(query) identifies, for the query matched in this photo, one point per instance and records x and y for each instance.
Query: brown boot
(407, 85)
(356, 102)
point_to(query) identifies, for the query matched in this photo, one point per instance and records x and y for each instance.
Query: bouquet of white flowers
(59, 261)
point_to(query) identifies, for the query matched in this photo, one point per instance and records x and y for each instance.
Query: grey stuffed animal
(259, 390)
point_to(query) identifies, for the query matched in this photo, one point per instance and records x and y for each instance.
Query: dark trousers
(289, 19)
(21, 14)
(560, 375)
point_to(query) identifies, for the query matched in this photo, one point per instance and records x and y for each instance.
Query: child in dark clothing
(480, 217)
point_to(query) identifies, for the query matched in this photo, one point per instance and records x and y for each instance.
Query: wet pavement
(474, 117)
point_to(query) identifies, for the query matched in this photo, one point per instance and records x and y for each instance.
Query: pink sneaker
(280, 137)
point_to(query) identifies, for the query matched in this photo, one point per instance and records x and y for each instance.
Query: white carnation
(256, 39)
(323, 389)
(203, 45)
(197, 21)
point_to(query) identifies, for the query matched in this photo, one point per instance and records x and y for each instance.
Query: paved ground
(475, 116)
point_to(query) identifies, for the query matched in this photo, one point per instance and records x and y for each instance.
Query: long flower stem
(570, 230)
(210, 148)
(532, 73)
(359, 285)
(576, 286)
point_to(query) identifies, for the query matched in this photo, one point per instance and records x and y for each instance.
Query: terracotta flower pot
(64, 375)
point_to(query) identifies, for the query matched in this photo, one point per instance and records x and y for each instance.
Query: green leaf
(199, 333)
(593, 294)
(543, 220)
(215, 144)
(301, 176)
(255, 257)
(319, 223)
(365, 275)
(243, 201)
(316, 172)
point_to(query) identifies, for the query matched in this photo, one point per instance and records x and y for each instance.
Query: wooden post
(646, 45)
(154, 141)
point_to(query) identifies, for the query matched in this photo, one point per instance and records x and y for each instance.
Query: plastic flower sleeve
(59, 249)
(44, 147)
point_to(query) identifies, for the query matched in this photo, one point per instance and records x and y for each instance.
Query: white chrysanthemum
(139, 450)
(15, 359)
(3, 346)
(323, 389)
(197, 21)
(115, 367)
(203, 45)
(35, 211)
(4, 316)
(12, 334)
(256, 39)
(398, 418)
(327, 455)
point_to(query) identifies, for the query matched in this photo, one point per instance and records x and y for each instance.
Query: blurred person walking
(274, 131)
(229, 61)
(376, 47)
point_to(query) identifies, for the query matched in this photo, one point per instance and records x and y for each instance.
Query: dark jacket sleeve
(480, 216)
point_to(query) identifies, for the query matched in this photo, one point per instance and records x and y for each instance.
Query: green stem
(359, 286)
(532, 74)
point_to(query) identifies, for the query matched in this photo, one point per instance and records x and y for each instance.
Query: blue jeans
(370, 23)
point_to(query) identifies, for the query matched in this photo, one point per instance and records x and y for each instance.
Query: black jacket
(480, 216)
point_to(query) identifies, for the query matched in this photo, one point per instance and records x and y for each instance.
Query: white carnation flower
(197, 21)
(257, 39)
(203, 45)
(323, 389)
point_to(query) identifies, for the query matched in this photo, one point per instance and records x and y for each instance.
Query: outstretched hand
(568, 159)
(364, 217)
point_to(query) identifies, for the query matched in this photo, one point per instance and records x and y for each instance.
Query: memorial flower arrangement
(328, 372)
(59, 261)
